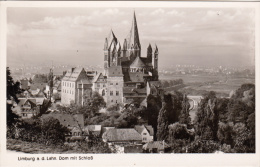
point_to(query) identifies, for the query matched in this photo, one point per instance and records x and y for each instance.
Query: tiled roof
(137, 63)
(160, 145)
(72, 75)
(115, 71)
(118, 135)
(67, 119)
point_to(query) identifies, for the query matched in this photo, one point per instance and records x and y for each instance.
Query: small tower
(110, 41)
(149, 53)
(155, 63)
(106, 58)
(124, 49)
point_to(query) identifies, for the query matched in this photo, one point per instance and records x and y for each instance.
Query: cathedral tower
(155, 63)
(132, 42)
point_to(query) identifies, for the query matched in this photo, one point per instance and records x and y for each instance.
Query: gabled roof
(118, 135)
(137, 63)
(73, 74)
(160, 145)
(98, 76)
(22, 101)
(140, 128)
(115, 71)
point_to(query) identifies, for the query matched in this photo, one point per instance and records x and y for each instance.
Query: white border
(128, 159)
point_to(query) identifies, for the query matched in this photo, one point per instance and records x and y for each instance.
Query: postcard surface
(129, 83)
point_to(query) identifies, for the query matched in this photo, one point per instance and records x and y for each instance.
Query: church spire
(133, 38)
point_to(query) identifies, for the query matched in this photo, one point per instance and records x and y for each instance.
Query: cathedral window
(117, 93)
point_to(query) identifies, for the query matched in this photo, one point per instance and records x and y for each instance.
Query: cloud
(158, 11)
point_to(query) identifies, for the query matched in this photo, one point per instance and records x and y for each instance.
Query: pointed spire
(149, 47)
(125, 45)
(156, 49)
(106, 44)
(111, 39)
(133, 37)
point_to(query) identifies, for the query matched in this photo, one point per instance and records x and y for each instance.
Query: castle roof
(73, 74)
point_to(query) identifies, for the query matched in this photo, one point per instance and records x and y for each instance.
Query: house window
(103, 92)
(144, 133)
(111, 93)
(75, 133)
(116, 83)
(104, 85)
(117, 93)
(98, 85)
(144, 138)
(112, 101)
(111, 83)
(79, 134)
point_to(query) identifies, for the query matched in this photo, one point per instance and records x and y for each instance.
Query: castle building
(75, 87)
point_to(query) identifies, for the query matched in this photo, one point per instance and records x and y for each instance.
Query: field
(198, 84)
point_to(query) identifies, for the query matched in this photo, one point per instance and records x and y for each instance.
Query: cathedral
(127, 75)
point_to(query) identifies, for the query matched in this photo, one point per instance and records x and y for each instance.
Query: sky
(186, 36)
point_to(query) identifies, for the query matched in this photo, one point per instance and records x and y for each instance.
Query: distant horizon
(185, 36)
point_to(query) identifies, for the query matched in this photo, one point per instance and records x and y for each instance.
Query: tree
(13, 88)
(207, 117)
(53, 132)
(94, 104)
(163, 123)
(184, 117)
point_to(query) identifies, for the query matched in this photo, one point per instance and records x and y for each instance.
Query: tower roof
(133, 37)
(111, 39)
(137, 63)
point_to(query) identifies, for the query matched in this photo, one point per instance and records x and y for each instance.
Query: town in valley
(129, 102)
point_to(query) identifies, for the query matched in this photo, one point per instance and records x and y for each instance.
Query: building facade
(75, 87)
